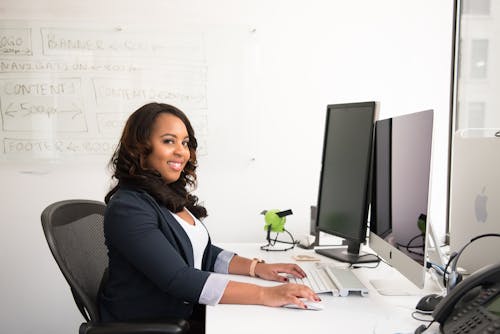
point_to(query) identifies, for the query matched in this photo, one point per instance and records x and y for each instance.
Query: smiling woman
(169, 143)
(161, 258)
(150, 134)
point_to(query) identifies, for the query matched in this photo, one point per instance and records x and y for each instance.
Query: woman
(161, 260)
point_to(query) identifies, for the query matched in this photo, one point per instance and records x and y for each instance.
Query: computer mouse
(428, 303)
(313, 306)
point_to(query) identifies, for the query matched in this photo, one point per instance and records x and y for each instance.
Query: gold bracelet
(253, 264)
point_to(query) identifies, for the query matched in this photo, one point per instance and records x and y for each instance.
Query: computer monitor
(400, 194)
(343, 197)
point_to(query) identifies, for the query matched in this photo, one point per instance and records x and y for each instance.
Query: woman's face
(170, 152)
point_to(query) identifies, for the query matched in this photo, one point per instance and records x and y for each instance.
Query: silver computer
(475, 196)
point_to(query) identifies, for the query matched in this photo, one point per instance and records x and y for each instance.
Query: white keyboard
(322, 278)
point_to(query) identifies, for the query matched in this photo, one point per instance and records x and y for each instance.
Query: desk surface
(353, 314)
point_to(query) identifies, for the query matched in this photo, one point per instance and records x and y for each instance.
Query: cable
(409, 248)
(439, 269)
(272, 242)
(454, 277)
(415, 238)
(357, 266)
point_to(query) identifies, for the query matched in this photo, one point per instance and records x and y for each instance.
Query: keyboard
(324, 278)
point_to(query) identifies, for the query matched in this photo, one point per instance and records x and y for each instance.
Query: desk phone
(473, 306)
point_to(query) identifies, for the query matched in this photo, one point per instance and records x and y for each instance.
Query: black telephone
(473, 306)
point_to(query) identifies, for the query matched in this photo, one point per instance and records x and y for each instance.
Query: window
(477, 68)
(479, 58)
(476, 111)
(476, 7)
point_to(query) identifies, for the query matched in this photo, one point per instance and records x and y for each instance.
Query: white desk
(353, 314)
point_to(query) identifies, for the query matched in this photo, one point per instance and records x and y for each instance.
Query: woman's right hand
(289, 293)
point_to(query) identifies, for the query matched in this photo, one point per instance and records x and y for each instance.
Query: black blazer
(151, 270)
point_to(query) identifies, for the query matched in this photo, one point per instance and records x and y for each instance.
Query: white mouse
(311, 305)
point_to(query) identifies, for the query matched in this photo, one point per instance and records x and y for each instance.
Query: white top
(198, 235)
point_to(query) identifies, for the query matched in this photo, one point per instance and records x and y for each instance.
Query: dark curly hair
(127, 162)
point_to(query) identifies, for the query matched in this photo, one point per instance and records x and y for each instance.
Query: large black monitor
(399, 205)
(343, 197)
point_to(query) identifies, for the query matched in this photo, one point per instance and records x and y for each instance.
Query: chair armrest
(170, 326)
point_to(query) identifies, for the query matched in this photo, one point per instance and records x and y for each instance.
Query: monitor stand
(403, 287)
(395, 287)
(349, 254)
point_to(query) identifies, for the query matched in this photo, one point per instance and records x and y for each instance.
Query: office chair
(74, 232)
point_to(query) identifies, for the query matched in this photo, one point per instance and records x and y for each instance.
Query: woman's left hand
(271, 271)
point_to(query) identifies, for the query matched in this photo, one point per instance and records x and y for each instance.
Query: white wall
(265, 151)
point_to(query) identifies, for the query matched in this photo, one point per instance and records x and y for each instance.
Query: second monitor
(343, 197)
(400, 199)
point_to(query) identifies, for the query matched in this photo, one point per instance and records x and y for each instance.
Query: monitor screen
(400, 192)
(342, 208)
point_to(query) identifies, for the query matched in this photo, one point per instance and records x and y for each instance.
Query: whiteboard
(66, 89)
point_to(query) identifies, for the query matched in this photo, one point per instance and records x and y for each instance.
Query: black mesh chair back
(74, 233)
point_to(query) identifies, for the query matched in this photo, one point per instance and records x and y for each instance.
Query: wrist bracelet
(253, 264)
